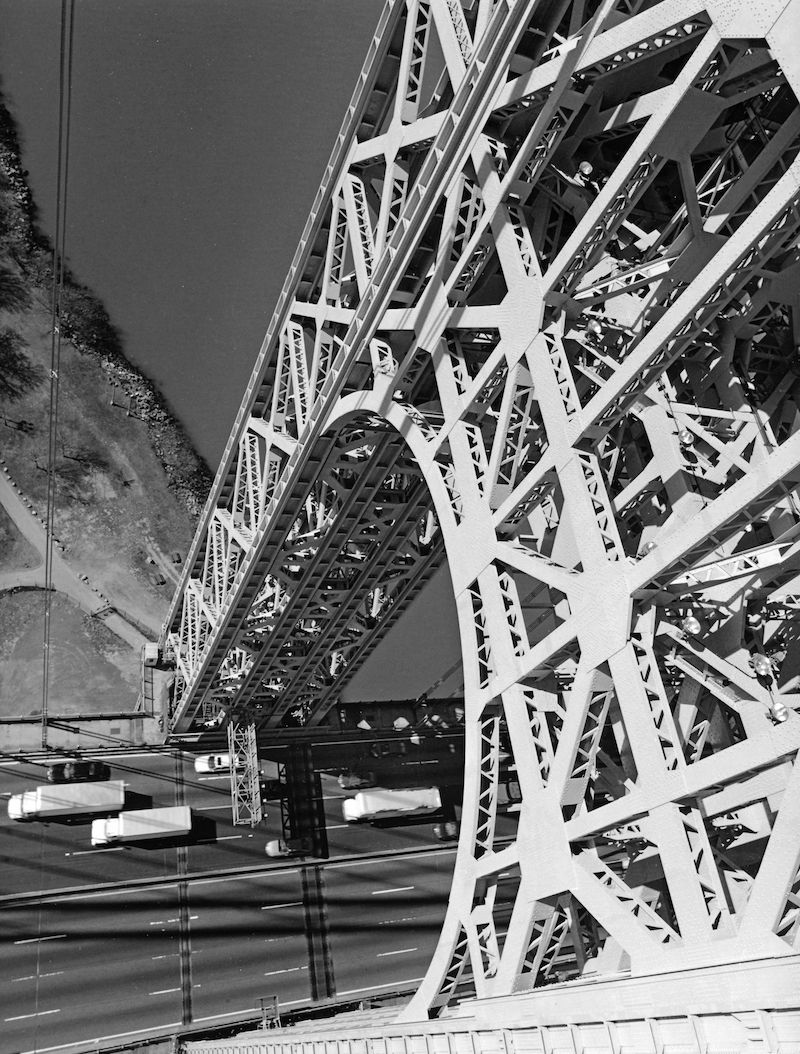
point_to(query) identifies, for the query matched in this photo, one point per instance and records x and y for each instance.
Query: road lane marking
(205, 779)
(288, 904)
(419, 762)
(400, 951)
(35, 977)
(39, 1013)
(406, 918)
(163, 922)
(86, 852)
(208, 808)
(238, 878)
(289, 969)
(399, 856)
(397, 889)
(370, 987)
(164, 991)
(336, 826)
(32, 940)
(131, 757)
(247, 1012)
(176, 955)
(102, 1039)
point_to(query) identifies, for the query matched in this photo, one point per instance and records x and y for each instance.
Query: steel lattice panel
(543, 325)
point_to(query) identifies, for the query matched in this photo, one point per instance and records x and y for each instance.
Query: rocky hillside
(128, 484)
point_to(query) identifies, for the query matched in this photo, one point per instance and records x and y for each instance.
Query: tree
(14, 295)
(17, 373)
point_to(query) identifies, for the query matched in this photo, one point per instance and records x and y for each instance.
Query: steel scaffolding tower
(543, 326)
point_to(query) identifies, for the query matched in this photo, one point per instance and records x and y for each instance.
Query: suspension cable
(59, 253)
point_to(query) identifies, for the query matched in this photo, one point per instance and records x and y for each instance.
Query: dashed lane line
(400, 951)
(33, 940)
(36, 977)
(397, 889)
(39, 1013)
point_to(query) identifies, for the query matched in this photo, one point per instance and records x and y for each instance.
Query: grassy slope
(128, 487)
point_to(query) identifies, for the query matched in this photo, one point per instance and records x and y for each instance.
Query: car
(289, 847)
(213, 763)
(354, 780)
(388, 748)
(76, 771)
(447, 831)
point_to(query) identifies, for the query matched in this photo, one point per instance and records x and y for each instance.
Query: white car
(213, 763)
(291, 847)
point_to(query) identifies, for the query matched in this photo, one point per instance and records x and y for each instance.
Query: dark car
(447, 831)
(387, 748)
(73, 771)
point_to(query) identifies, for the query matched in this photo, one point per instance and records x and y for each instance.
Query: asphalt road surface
(59, 855)
(104, 942)
(95, 966)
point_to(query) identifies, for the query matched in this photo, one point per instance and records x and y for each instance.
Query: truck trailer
(142, 825)
(71, 799)
(383, 803)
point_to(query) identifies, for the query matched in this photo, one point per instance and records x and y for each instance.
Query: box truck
(383, 803)
(142, 825)
(77, 799)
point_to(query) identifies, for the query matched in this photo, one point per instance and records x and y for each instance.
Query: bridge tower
(542, 326)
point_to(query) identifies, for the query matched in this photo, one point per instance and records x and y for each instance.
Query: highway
(100, 943)
(93, 966)
(58, 855)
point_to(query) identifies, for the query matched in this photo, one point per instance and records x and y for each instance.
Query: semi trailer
(383, 803)
(143, 825)
(74, 799)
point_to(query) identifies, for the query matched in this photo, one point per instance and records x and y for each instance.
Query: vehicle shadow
(204, 831)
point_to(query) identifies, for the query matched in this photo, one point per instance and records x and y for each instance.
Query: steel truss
(246, 804)
(543, 322)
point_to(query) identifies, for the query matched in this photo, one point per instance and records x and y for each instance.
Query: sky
(199, 133)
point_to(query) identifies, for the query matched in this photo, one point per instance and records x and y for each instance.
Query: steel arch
(564, 271)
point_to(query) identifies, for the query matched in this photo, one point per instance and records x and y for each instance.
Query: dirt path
(65, 580)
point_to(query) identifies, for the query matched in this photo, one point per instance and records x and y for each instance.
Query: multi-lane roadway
(59, 855)
(100, 943)
(94, 966)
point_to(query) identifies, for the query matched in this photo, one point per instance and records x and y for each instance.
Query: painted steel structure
(543, 323)
(246, 802)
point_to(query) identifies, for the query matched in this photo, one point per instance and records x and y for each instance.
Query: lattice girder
(543, 325)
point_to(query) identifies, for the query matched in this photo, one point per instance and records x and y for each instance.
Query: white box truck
(142, 825)
(71, 799)
(383, 803)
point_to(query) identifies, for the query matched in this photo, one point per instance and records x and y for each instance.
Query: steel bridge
(542, 326)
